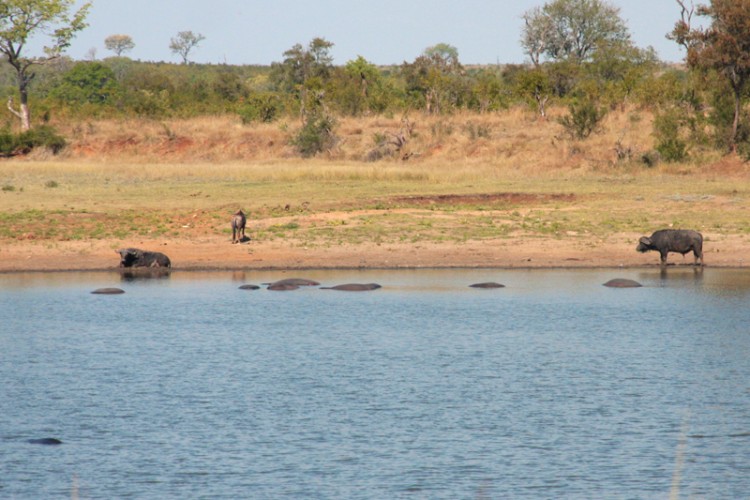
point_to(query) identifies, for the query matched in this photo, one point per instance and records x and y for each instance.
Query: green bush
(669, 142)
(87, 83)
(260, 108)
(672, 150)
(583, 119)
(39, 137)
(315, 136)
(743, 138)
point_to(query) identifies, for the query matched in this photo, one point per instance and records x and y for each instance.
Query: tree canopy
(184, 43)
(572, 30)
(723, 46)
(119, 44)
(19, 21)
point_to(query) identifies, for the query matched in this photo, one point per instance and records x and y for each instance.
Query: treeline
(693, 109)
(581, 54)
(434, 83)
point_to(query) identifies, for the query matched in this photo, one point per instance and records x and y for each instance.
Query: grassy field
(468, 177)
(322, 203)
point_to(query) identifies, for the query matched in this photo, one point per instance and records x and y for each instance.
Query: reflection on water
(553, 386)
(150, 273)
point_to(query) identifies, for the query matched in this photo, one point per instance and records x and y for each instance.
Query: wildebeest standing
(238, 226)
(673, 240)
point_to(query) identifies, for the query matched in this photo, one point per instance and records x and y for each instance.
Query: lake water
(553, 387)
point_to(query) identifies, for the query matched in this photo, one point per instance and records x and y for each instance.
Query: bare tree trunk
(541, 102)
(24, 79)
(23, 113)
(736, 122)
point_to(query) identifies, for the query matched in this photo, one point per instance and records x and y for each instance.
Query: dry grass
(513, 139)
(125, 178)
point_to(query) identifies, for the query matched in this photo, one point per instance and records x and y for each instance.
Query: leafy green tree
(616, 71)
(87, 83)
(488, 91)
(229, 86)
(184, 43)
(360, 88)
(572, 29)
(119, 44)
(534, 86)
(723, 46)
(434, 79)
(147, 90)
(22, 19)
(304, 73)
(536, 34)
(445, 53)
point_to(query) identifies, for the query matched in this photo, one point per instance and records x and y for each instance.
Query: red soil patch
(485, 198)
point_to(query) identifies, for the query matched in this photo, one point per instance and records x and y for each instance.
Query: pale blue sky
(382, 31)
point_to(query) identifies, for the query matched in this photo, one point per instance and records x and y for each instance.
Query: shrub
(672, 150)
(650, 158)
(669, 142)
(743, 138)
(87, 83)
(476, 131)
(260, 108)
(315, 136)
(583, 119)
(39, 137)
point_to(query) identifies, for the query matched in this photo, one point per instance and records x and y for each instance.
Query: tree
(19, 21)
(447, 54)
(301, 64)
(303, 73)
(184, 43)
(359, 87)
(87, 83)
(436, 76)
(536, 34)
(724, 46)
(572, 30)
(535, 85)
(119, 44)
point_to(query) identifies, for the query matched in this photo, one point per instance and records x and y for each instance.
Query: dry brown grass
(515, 139)
(468, 177)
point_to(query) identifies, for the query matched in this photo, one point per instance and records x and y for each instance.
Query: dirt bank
(216, 253)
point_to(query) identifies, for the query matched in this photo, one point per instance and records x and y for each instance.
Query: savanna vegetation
(591, 112)
(582, 61)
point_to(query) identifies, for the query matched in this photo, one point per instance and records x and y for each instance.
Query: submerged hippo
(488, 284)
(135, 257)
(294, 282)
(282, 287)
(45, 441)
(108, 291)
(622, 283)
(353, 287)
(673, 240)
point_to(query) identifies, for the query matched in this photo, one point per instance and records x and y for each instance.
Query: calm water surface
(553, 387)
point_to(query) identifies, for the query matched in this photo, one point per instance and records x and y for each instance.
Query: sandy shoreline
(218, 254)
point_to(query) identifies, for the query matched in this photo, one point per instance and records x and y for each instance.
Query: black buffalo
(238, 226)
(135, 257)
(673, 240)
